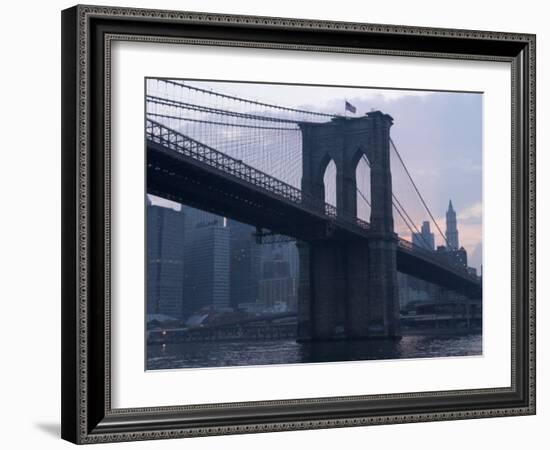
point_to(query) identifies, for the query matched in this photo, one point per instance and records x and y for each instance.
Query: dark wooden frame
(87, 32)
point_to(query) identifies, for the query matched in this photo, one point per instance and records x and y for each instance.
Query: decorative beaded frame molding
(87, 35)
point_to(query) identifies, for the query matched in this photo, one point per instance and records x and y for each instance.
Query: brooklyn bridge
(265, 165)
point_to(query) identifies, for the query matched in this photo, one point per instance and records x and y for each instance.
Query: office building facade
(165, 260)
(207, 261)
(424, 239)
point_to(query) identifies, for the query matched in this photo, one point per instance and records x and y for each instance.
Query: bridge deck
(187, 171)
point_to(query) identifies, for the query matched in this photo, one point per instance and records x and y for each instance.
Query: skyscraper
(452, 232)
(165, 254)
(245, 264)
(278, 285)
(207, 260)
(425, 238)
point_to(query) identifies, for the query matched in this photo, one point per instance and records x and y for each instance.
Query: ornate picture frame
(88, 35)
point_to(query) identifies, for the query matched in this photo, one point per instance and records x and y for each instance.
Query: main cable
(418, 193)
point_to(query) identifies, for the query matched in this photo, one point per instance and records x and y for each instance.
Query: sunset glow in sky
(438, 134)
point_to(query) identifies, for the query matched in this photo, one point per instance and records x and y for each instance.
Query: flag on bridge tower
(350, 107)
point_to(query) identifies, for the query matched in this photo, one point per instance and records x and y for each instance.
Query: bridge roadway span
(189, 172)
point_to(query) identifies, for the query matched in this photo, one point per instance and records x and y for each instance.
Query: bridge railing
(178, 142)
(436, 258)
(198, 151)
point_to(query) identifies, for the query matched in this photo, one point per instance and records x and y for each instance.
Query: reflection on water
(252, 353)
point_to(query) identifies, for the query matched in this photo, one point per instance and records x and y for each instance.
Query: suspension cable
(412, 222)
(224, 112)
(245, 100)
(212, 122)
(418, 192)
(397, 202)
(406, 222)
(363, 197)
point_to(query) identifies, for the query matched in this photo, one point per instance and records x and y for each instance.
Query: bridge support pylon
(304, 293)
(348, 288)
(383, 288)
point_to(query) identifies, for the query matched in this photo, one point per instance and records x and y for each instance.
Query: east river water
(253, 353)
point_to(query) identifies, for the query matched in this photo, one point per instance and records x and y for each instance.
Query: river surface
(253, 353)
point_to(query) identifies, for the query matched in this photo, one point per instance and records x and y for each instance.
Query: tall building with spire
(451, 233)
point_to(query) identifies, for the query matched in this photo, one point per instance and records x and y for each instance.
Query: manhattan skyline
(439, 135)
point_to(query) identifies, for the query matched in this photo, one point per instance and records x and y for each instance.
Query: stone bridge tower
(348, 288)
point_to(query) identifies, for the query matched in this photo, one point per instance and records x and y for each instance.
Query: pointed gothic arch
(363, 184)
(330, 175)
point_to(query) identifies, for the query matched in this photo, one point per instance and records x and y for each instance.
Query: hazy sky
(438, 134)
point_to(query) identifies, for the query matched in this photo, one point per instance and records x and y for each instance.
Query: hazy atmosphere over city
(439, 135)
(299, 224)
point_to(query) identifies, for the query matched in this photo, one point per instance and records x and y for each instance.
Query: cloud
(472, 214)
(438, 135)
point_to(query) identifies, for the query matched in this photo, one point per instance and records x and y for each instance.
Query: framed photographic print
(281, 224)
